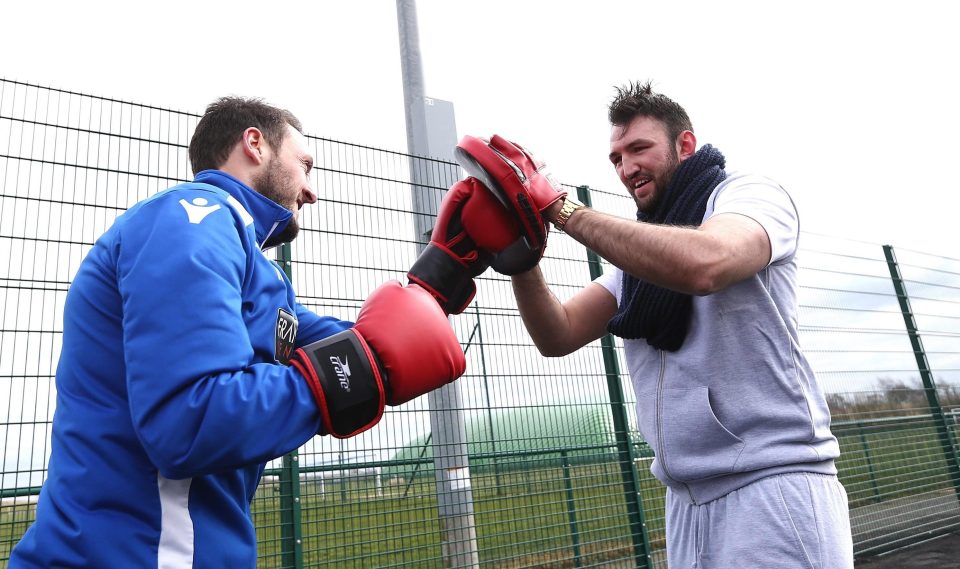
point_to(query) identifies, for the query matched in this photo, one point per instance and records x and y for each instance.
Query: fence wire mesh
(558, 472)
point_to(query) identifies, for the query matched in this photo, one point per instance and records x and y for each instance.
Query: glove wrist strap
(448, 280)
(346, 383)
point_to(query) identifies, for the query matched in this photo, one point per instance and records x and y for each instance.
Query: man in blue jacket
(188, 363)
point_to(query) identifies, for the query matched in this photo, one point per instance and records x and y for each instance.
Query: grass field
(523, 522)
(879, 463)
(526, 517)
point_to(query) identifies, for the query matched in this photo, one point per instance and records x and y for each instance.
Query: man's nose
(308, 195)
(630, 167)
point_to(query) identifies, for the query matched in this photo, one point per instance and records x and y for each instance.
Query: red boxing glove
(496, 231)
(401, 347)
(458, 252)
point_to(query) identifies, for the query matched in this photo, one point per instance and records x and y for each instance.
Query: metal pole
(291, 530)
(929, 386)
(628, 469)
(450, 456)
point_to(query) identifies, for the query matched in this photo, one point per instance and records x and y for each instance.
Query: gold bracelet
(570, 205)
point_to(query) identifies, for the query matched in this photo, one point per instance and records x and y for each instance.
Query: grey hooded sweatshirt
(738, 401)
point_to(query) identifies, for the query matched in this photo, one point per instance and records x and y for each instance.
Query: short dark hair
(636, 99)
(223, 124)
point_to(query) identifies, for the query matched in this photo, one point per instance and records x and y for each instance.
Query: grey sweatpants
(789, 521)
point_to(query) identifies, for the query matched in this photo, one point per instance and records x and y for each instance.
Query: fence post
(621, 425)
(929, 386)
(869, 457)
(571, 509)
(291, 531)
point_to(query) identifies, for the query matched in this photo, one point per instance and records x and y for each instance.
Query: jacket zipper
(267, 237)
(660, 448)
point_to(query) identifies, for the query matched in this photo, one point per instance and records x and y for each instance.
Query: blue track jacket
(171, 394)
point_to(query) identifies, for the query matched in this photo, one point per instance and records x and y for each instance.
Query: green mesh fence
(558, 475)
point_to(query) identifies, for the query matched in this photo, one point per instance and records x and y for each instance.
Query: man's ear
(686, 144)
(253, 144)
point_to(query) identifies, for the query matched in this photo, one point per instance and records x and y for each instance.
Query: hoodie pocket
(695, 444)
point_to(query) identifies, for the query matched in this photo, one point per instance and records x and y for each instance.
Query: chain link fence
(558, 473)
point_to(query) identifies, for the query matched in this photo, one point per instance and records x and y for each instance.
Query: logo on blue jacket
(286, 336)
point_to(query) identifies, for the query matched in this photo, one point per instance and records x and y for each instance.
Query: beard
(288, 234)
(272, 185)
(661, 181)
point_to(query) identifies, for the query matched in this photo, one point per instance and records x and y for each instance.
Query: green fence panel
(558, 472)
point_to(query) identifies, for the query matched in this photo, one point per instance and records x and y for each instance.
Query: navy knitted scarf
(660, 315)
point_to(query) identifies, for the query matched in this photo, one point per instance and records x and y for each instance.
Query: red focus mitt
(521, 184)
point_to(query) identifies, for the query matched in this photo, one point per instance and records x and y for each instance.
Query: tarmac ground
(938, 553)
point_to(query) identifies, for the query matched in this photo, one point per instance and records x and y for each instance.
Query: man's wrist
(550, 214)
(563, 215)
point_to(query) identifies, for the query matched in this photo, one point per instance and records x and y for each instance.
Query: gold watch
(570, 205)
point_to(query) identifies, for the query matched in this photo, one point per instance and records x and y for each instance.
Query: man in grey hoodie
(704, 295)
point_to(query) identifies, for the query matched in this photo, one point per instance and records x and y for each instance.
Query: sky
(849, 105)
